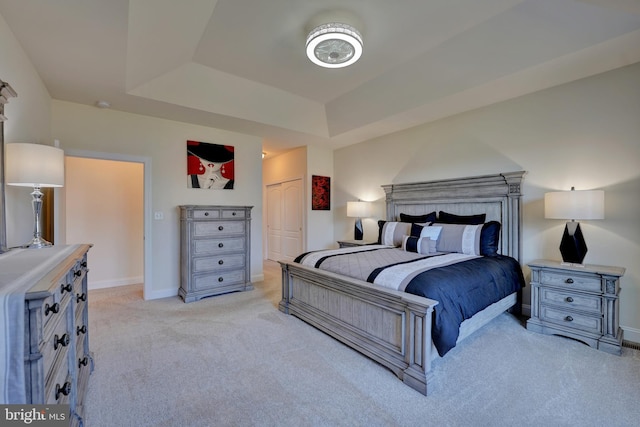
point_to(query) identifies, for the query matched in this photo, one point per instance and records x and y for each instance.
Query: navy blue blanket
(464, 289)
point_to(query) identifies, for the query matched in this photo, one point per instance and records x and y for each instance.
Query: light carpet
(235, 360)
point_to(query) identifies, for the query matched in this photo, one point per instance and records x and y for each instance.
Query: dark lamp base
(358, 231)
(572, 246)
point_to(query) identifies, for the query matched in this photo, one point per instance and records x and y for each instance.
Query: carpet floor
(235, 360)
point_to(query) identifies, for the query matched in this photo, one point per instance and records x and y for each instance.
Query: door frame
(147, 292)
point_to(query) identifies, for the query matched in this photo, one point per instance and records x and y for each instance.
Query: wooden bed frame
(394, 328)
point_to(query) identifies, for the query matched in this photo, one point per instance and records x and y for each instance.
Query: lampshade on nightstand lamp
(37, 166)
(358, 210)
(574, 205)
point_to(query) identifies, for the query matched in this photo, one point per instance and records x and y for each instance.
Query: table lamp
(574, 205)
(358, 210)
(37, 166)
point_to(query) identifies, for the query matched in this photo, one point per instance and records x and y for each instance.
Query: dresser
(214, 250)
(577, 302)
(54, 331)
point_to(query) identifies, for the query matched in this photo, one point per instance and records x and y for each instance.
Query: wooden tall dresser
(214, 251)
(55, 330)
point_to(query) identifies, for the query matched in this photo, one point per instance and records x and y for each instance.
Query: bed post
(418, 374)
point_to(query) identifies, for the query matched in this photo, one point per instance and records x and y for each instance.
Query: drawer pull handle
(220, 279)
(568, 299)
(81, 297)
(77, 273)
(83, 362)
(84, 264)
(206, 214)
(51, 309)
(220, 245)
(65, 389)
(569, 280)
(66, 288)
(81, 329)
(220, 228)
(569, 319)
(234, 214)
(63, 341)
(221, 262)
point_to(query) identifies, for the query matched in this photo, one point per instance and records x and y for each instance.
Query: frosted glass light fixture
(37, 166)
(358, 210)
(573, 205)
(334, 45)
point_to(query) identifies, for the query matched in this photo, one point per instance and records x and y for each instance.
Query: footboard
(390, 327)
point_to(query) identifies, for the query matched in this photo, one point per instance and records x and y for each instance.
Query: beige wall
(303, 163)
(584, 134)
(86, 128)
(104, 206)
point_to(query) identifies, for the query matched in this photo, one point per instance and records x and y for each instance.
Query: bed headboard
(498, 196)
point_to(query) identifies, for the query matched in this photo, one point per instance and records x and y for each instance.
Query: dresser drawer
(570, 319)
(217, 263)
(574, 301)
(52, 310)
(571, 280)
(217, 228)
(206, 213)
(217, 280)
(216, 246)
(59, 388)
(233, 213)
(57, 339)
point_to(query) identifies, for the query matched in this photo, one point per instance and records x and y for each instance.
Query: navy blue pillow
(430, 217)
(490, 238)
(449, 218)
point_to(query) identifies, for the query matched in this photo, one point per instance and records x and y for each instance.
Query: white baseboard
(165, 293)
(112, 283)
(631, 334)
(257, 278)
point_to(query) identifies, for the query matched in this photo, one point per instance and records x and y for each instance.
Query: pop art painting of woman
(210, 166)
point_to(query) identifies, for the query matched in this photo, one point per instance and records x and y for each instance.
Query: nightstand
(352, 243)
(577, 302)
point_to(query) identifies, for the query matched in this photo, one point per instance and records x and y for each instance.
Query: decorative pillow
(430, 217)
(490, 238)
(450, 218)
(460, 238)
(421, 245)
(392, 232)
(475, 239)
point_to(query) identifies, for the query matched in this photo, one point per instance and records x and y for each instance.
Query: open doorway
(105, 203)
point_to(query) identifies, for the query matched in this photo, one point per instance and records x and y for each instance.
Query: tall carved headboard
(498, 196)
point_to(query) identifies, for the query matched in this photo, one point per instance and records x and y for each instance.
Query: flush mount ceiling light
(334, 45)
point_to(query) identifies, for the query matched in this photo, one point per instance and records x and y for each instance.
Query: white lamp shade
(34, 165)
(574, 205)
(358, 209)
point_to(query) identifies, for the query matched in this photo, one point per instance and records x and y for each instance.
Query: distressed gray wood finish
(394, 328)
(579, 302)
(214, 251)
(57, 355)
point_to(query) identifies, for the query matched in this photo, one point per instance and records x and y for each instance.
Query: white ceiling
(240, 64)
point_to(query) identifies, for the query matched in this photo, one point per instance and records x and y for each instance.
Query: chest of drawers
(577, 302)
(57, 359)
(214, 251)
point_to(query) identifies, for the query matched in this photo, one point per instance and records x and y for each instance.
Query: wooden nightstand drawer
(574, 301)
(571, 280)
(572, 320)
